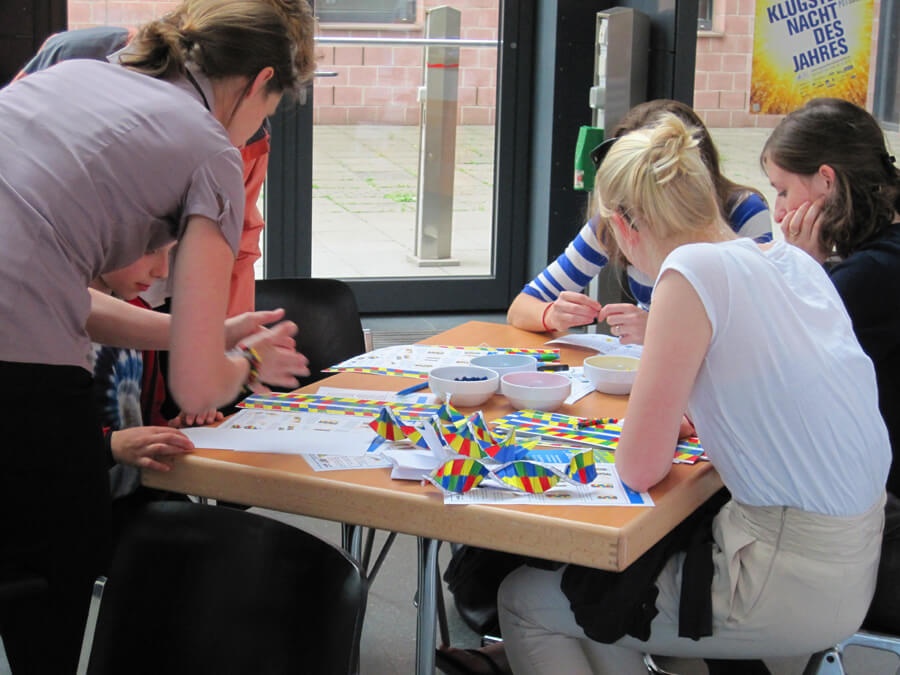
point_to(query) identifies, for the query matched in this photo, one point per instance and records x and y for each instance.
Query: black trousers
(54, 511)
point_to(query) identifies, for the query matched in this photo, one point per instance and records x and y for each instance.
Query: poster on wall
(803, 49)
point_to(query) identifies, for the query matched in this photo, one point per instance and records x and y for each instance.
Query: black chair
(199, 589)
(330, 331)
(327, 315)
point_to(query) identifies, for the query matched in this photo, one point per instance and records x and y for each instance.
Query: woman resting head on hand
(752, 342)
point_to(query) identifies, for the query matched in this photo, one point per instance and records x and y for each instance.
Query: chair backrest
(327, 315)
(205, 589)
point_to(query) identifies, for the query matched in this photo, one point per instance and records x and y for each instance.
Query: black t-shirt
(868, 281)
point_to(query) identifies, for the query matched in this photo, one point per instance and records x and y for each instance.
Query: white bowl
(536, 390)
(478, 388)
(611, 374)
(505, 363)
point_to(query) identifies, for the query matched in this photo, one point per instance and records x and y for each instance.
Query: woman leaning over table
(101, 164)
(553, 300)
(753, 342)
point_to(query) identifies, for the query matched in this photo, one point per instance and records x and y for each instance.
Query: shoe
(455, 661)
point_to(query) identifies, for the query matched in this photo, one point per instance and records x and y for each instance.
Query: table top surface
(608, 537)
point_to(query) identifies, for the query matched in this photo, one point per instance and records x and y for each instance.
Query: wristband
(255, 362)
(547, 328)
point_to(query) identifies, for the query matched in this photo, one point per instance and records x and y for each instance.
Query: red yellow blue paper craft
(415, 436)
(526, 476)
(388, 425)
(468, 447)
(458, 475)
(506, 453)
(582, 467)
(447, 413)
(479, 427)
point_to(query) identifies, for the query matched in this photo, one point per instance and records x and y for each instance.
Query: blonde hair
(656, 178)
(226, 38)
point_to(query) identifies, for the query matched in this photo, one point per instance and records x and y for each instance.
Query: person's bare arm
(117, 323)
(201, 374)
(677, 339)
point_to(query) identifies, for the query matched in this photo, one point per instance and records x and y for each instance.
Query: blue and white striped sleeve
(751, 218)
(573, 270)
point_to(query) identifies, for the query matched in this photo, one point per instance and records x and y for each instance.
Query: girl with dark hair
(838, 198)
(101, 165)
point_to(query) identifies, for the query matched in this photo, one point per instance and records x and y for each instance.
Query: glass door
(399, 174)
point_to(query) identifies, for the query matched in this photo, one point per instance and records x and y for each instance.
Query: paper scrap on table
(295, 433)
(581, 386)
(343, 463)
(598, 342)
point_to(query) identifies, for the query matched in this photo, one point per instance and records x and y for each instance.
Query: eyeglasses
(599, 153)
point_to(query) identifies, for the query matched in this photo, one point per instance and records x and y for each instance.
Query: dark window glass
(705, 15)
(366, 11)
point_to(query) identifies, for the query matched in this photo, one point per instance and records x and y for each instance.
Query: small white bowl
(536, 390)
(506, 363)
(479, 385)
(611, 374)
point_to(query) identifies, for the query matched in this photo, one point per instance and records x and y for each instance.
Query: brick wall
(378, 84)
(373, 84)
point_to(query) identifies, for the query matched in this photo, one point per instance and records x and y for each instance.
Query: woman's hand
(626, 321)
(571, 309)
(239, 327)
(279, 362)
(184, 419)
(149, 447)
(801, 228)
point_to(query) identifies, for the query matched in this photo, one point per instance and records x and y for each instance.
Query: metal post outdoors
(437, 147)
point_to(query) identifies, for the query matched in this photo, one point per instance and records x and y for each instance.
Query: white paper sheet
(294, 433)
(598, 342)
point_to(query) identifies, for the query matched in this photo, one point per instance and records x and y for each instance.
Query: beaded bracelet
(544, 318)
(255, 362)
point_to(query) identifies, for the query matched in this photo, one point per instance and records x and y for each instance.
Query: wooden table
(605, 537)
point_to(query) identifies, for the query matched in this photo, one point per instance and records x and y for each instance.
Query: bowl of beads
(505, 363)
(611, 374)
(536, 390)
(465, 386)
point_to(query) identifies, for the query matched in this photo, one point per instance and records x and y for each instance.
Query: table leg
(426, 624)
(351, 540)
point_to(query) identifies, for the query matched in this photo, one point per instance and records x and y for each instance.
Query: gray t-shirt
(98, 165)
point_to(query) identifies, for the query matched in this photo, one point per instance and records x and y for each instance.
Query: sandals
(455, 661)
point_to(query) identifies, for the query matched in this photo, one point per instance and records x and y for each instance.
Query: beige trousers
(785, 583)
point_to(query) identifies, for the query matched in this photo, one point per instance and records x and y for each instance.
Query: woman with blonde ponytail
(103, 164)
(750, 341)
